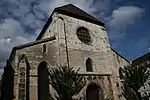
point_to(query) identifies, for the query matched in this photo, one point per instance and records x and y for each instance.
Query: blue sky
(127, 22)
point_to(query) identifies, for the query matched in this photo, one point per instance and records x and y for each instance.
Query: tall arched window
(43, 81)
(89, 66)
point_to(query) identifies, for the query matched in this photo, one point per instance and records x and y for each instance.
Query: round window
(84, 35)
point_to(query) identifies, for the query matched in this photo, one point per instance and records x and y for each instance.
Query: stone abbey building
(70, 37)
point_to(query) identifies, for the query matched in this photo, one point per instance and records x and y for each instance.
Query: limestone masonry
(70, 37)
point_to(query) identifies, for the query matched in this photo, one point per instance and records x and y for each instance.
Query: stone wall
(35, 56)
(99, 50)
(68, 49)
(119, 61)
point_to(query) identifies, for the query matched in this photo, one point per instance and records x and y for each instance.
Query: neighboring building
(142, 60)
(70, 37)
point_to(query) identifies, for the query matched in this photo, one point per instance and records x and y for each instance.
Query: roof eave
(29, 44)
(45, 26)
(80, 17)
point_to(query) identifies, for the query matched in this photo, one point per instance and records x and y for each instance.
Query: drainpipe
(65, 39)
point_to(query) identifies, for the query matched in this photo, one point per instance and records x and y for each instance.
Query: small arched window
(44, 49)
(89, 66)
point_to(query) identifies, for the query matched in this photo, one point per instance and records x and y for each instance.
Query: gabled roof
(30, 44)
(35, 42)
(141, 59)
(120, 55)
(73, 11)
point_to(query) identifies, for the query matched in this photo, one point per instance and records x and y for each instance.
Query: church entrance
(43, 82)
(94, 92)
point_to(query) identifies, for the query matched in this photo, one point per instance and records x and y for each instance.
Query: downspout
(65, 39)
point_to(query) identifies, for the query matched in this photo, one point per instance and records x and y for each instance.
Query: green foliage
(133, 77)
(128, 93)
(66, 82)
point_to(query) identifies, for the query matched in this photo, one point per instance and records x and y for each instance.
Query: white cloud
(122, 18)
(125, 15)
(12, 34)
(6, 45)
(21, 15)
(10, 27)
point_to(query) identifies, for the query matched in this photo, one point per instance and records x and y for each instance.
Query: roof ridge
(78, 9)
(72, 11)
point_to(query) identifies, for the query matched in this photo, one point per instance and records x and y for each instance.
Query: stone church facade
(70, 37)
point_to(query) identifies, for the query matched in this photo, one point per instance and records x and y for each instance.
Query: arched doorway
(43, 81)
(94, 92)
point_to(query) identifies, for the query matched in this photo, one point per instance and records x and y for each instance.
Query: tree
(128, 93)
(66, 82)
(134, 77)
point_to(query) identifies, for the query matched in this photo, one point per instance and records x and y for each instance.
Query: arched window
(44, 49)
(43, 81)
(89, 66)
